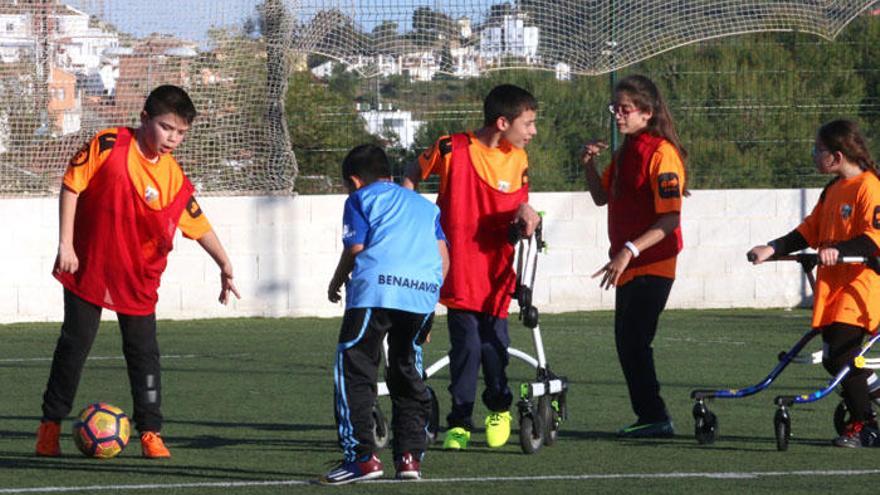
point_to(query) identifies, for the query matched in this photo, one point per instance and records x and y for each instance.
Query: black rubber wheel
(706, 428)
(548, 419)
(433, 427)
(841, 417)
(380, 428)
(531, 433)
(556, 410)
(782, 429)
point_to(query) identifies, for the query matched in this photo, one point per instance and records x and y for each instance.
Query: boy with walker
(483, 189)
(396, 255)
(123, 198)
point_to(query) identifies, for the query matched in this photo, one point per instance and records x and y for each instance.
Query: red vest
(121, 243)
(631, 201)
(475, 218)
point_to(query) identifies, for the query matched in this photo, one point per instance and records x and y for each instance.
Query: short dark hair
(508, 101)
(170, 99)
(367, 161)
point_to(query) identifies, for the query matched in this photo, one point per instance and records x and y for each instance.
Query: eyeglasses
(622, 110)
(818, 151)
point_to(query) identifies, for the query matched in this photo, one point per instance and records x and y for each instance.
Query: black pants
(141, 350)
(358, 355)
(843, 343)
(638, 305)
(477, 340)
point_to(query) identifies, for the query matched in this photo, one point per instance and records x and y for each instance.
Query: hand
(592, 149)
(66, 261)
(227, 286)
(828, 256)
(760, 254)
(334, 293)
(612, 271)
(528, 218)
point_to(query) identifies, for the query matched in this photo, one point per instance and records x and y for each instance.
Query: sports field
(248, 406)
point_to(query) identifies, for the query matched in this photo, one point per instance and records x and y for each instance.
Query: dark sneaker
(851, 437)
(408, 467)
(349, 472)
(662, 429)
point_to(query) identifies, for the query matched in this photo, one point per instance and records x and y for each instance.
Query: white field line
(482, 479)
(119, 358)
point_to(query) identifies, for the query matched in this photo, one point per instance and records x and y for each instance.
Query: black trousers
(139, 346)
(477, 340)
(358, 355)
(638, 305)
(843, 343)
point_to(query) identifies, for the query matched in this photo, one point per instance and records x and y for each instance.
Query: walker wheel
(706, 428)
(380, 428)
(531, 433)
(841, 417)
(782, 428)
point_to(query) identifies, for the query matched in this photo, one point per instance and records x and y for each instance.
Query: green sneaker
(497, 429)
(456, 439)
(662, 429)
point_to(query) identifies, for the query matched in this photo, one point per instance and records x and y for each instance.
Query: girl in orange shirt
(643, 188)
(845, 222)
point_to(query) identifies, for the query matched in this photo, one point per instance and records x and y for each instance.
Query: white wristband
(632, 248)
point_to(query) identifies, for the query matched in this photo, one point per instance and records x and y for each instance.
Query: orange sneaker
(152, 446)
(48, 434)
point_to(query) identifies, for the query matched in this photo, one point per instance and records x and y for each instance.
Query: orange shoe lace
(48, 444)
(152, 446)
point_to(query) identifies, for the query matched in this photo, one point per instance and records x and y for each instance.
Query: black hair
(507, 101)
(170, 99)
(367, 161)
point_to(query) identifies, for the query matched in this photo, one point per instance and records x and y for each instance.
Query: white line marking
(482, 479)
(118, 358)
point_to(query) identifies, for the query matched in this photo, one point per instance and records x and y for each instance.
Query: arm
(594, 181)
(66, 261)
(343, 269)
(444, 256)
(654, 234)
(211, 244)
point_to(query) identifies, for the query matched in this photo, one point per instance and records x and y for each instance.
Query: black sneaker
(851, 437)
(349, 472)
(662, 429)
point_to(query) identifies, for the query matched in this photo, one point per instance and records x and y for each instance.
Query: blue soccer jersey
(400, 266)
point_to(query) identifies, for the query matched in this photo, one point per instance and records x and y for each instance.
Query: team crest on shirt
(845, 211)
(668, 185)
(150, 194)
(81, 156)
(503, 186)
(347, 231)
(876, 221)
(195, 211)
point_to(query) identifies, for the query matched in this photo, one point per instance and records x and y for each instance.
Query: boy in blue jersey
(395, 253)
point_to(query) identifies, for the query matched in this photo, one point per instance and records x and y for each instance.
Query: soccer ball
(101, 431)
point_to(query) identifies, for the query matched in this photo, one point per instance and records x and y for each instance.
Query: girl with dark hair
(643, 188)
(845, 222)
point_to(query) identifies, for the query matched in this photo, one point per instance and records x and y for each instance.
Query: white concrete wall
(284, 250)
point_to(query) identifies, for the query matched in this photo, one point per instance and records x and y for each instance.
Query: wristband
(632, 248)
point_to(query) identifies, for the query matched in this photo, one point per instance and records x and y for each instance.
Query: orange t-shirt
(846, 293)
(158, 183)
(665, 160)
(504, 167)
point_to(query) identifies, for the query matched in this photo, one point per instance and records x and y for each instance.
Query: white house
(509, 38)
(392, 124)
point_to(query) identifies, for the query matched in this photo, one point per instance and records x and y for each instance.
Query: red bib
(121, 243)
(631, 202)
(475, 218)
